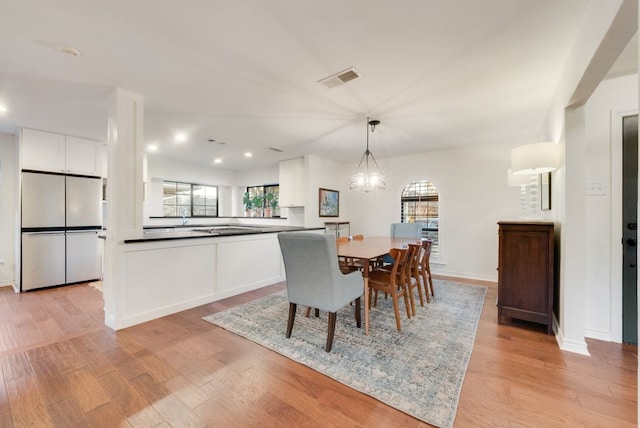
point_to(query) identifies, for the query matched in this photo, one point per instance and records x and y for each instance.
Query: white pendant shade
(534, 158)
(368, 177)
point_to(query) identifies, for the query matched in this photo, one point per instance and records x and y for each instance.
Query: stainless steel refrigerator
(61, 218)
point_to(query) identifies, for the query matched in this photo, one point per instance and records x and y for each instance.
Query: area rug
(419, 370)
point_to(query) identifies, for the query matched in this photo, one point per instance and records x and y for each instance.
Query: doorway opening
(629, 229)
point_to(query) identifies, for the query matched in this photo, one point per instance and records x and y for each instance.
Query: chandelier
(368, 176)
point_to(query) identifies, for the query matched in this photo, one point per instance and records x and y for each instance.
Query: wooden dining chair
(413, 278)
(349, 264)
(346, 264)
(424, 269)
(391, 281)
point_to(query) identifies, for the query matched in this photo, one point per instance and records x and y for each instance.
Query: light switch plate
(595, 188)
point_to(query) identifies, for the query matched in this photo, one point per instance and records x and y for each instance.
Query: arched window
(420, 205)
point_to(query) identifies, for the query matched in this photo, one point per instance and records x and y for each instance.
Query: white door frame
(616, 222)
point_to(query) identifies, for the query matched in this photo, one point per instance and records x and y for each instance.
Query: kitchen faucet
(184, 217)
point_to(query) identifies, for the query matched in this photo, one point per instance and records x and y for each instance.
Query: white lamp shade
(517, 180)
(534, 158)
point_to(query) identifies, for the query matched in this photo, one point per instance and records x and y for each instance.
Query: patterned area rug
(419, 370)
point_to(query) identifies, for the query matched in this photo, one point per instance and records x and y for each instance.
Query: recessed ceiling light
(3, 108)
(247, 154)
(152, 147)
(217, 160)
(181, 137)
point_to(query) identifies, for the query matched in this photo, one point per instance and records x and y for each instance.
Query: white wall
(612, 99)
(9, 224)
(325, 174)
(472, 182)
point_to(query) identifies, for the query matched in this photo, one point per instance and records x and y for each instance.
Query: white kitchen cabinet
(48, 151)
(42, 151)
(83, 156)
(292, 183)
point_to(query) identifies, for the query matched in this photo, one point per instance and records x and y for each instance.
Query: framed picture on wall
(545, 191)
(329, 203)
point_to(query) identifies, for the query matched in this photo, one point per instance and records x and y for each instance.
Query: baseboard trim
(598, 334)
(574, 346)
(468, 281)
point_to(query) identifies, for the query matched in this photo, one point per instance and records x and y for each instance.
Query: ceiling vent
(276, 149)
(69, 51)
(340, 78)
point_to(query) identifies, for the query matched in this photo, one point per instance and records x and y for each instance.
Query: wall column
(573, 236)
(124, 196)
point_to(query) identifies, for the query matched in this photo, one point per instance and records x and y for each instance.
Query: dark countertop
(164, 233)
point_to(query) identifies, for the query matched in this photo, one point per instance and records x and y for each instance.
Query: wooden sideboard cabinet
(525, 272)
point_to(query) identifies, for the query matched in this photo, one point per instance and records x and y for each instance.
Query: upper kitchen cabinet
(42, 151)
(47, 151)
(292, 183)
(83, 156)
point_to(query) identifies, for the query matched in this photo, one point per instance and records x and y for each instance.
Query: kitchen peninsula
(170, 269)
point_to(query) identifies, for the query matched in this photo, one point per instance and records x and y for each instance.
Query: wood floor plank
(147, 417)
(165, 403)
(6, 419)
(120, 392)
(177, 414)
(87, 390)
(51, 381)
(232, 408)
(187, 392)
(155, 366)
(15, 366)
(125, 363)
(93, 359)
(107, 416)
(28, 406)
(67, 413)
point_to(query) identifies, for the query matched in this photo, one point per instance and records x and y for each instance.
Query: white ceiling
(436, 73)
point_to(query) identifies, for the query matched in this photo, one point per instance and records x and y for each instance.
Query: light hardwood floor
(62, 367)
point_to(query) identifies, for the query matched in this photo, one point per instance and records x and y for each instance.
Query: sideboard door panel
(525, 272)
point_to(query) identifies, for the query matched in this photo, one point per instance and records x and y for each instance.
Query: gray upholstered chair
(406, 230)
(403, 230)
(314, 278)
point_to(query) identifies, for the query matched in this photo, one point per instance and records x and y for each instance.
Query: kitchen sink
(228, 230)
(162, 230)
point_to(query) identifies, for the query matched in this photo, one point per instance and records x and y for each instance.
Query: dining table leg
(365, 274)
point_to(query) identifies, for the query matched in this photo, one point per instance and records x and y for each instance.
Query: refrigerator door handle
(54, 232)
(70, 232)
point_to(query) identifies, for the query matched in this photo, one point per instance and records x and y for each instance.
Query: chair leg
(358, 316)
(409, 290)
(308, 311)
(417, 277)
(292, 318)
(407, 303)
(425, 284)
(396, 311)
(331, 330)
(431, 282)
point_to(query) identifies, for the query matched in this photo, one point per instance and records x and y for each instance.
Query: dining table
(366, 250)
